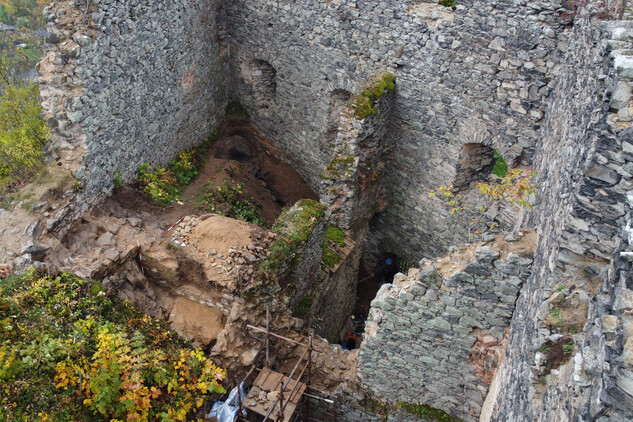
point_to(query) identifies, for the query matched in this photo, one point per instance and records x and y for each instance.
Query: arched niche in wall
(476, 163)
(262, 78)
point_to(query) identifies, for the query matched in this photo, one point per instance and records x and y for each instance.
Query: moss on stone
(336, 236)
(303, 307)
(427, 412)
(330, 258)
(293, 227)
(421, 410)
(339, 165)
(364, 103)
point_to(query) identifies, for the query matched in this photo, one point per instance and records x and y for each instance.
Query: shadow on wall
(261, 77)
(475, 164)
(338, 99)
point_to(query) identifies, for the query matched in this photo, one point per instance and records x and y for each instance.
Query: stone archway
(476, 162)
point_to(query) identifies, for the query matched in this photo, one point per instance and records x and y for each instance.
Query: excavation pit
(241, 164)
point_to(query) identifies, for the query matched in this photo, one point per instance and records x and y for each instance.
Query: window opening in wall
(477, 162)
(264, 82)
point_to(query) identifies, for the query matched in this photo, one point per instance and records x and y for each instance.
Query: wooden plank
(268, 380)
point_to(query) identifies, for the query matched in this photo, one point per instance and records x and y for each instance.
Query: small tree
(515, 188)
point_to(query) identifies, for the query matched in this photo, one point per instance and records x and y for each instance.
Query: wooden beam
(263, 330)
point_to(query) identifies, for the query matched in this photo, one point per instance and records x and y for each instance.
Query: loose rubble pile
(227, 249)
(239, 261)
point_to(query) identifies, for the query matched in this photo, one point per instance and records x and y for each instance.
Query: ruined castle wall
(438, 339)
(584, 213)
(350, 184)
(480, 74)
(131, 81)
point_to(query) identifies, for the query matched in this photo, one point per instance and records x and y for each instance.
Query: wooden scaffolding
(280, 398)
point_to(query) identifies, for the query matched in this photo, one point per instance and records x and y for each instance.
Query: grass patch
(227, 198)
(330, 258)
(68, 351)
(556, 353)
(32, 53)
(568, 348)
(544, 349)
(303, 307)
(163, 185)
(450, 4)
(364, 103)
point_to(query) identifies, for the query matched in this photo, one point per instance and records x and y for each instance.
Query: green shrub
(118, 181)
(227, 198)
(501, 167)
(160, 184)
(22, 134)
(68, 351)
(164, 185)
(23, 13)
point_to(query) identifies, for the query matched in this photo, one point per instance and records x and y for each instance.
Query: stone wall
(351, 183)
(480, 74)
(130, 81)
(296, 272)
(437, 337)
(584, 216)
